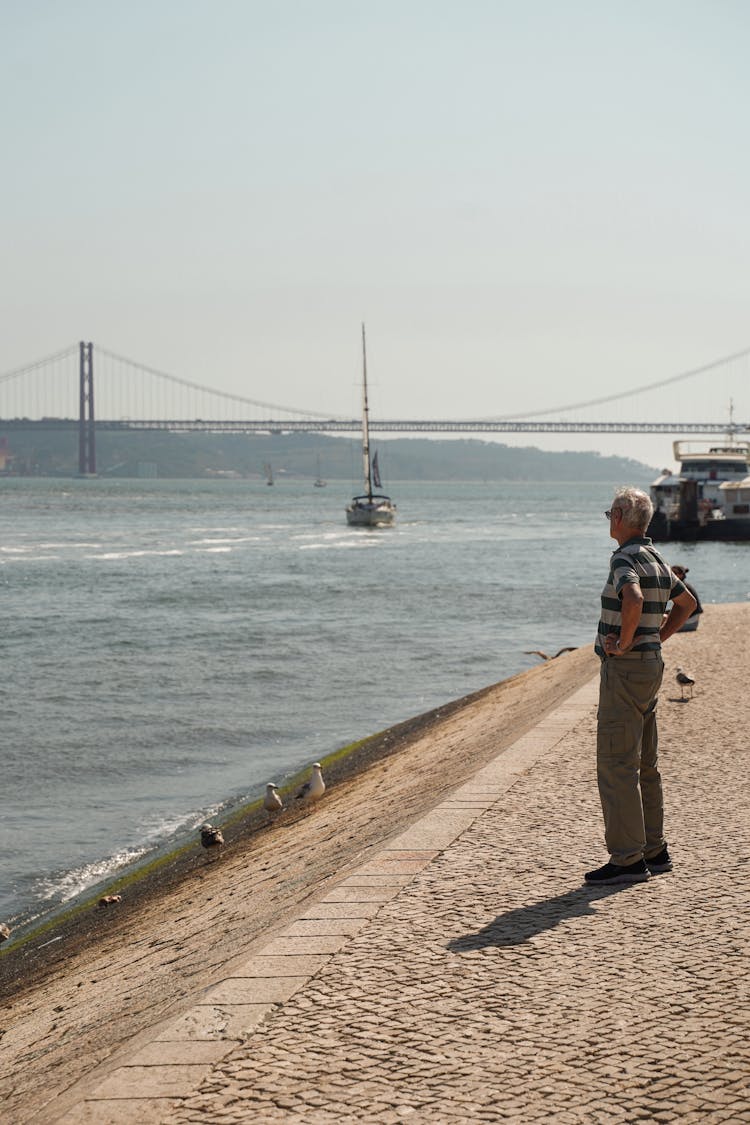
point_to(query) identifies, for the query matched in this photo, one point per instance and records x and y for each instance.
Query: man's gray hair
(636, 507)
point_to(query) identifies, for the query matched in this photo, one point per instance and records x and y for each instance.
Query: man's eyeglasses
(609, 512)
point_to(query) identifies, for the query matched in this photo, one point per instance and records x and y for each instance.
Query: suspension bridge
(61, 392)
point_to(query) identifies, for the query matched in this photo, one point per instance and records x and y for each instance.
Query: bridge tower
(86, 436)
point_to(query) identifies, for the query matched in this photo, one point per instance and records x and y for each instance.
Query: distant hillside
(201, 455)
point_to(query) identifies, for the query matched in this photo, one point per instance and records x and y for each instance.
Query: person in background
(631, 630)
(693, 620)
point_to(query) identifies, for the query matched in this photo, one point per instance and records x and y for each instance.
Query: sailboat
(370, 509)
(269, 472)
(319, 482)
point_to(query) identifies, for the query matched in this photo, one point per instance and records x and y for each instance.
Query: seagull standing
(211, 837)
(313, 789)
(272, 802)
(684, 680)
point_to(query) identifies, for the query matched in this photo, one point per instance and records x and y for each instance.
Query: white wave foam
(62, 888)
(110, 555)
(42, 546)
(228, 541)
(341, 545)
(29, 558)
(92, 546)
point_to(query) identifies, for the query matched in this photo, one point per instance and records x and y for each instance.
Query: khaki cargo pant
(626, 756)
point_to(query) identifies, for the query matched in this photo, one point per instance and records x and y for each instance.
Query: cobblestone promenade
(464, 974)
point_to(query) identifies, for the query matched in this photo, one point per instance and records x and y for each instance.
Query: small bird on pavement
(313, 789)
(109, 900)
(272, 802)
(684, 680)
(5, 932)
(211, 838)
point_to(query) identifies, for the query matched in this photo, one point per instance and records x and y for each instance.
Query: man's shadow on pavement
(517, 926)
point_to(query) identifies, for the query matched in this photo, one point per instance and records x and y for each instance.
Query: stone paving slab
(288, 946)
(171, 1080)
(265, 965)
(330, 909)
(315, 927)
(471, 803)
(212, 1021)
(254, 990)
(144, 1111)
(362, 894)
(385, 865)
(436, 830)
(366, 879)
(176, 1053)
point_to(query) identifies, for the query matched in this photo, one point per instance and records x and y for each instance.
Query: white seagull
(684, 680)
(313, 789)
(272, 802)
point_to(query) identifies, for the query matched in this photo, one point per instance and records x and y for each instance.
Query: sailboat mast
(365, 421)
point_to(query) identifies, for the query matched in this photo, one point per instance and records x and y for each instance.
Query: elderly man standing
(631, 631)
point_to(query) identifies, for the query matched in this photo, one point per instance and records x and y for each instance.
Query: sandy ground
(82, 998)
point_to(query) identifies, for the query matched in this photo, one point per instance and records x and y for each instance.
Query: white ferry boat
(735, 501)
(694, 503)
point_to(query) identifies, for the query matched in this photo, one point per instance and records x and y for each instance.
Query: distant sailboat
(371, 509)
(319, 482)
(269, 472)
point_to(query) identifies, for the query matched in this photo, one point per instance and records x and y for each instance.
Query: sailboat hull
(379, 511)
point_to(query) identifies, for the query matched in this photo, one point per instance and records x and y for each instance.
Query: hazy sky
(529, 202)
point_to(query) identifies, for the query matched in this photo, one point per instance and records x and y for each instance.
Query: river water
(170, 646)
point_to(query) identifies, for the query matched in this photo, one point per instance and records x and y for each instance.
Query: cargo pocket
(610, 741)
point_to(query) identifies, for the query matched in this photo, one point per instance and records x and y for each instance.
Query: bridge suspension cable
(627, 394)
(65, 353)
(176, 379)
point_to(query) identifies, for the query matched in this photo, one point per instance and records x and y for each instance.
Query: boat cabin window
(714, 467)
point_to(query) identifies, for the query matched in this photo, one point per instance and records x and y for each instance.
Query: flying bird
(684, 680)
(545, 656)
(211, 837)
(313, 789)
(272, 802)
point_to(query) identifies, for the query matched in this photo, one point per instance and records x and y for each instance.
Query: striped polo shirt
(637, 561)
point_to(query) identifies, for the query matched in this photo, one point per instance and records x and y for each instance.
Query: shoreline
(171, 864)
(171, 861)
(74, 1003)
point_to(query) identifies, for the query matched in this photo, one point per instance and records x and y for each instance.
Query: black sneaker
(659, 863)
(612, 873)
